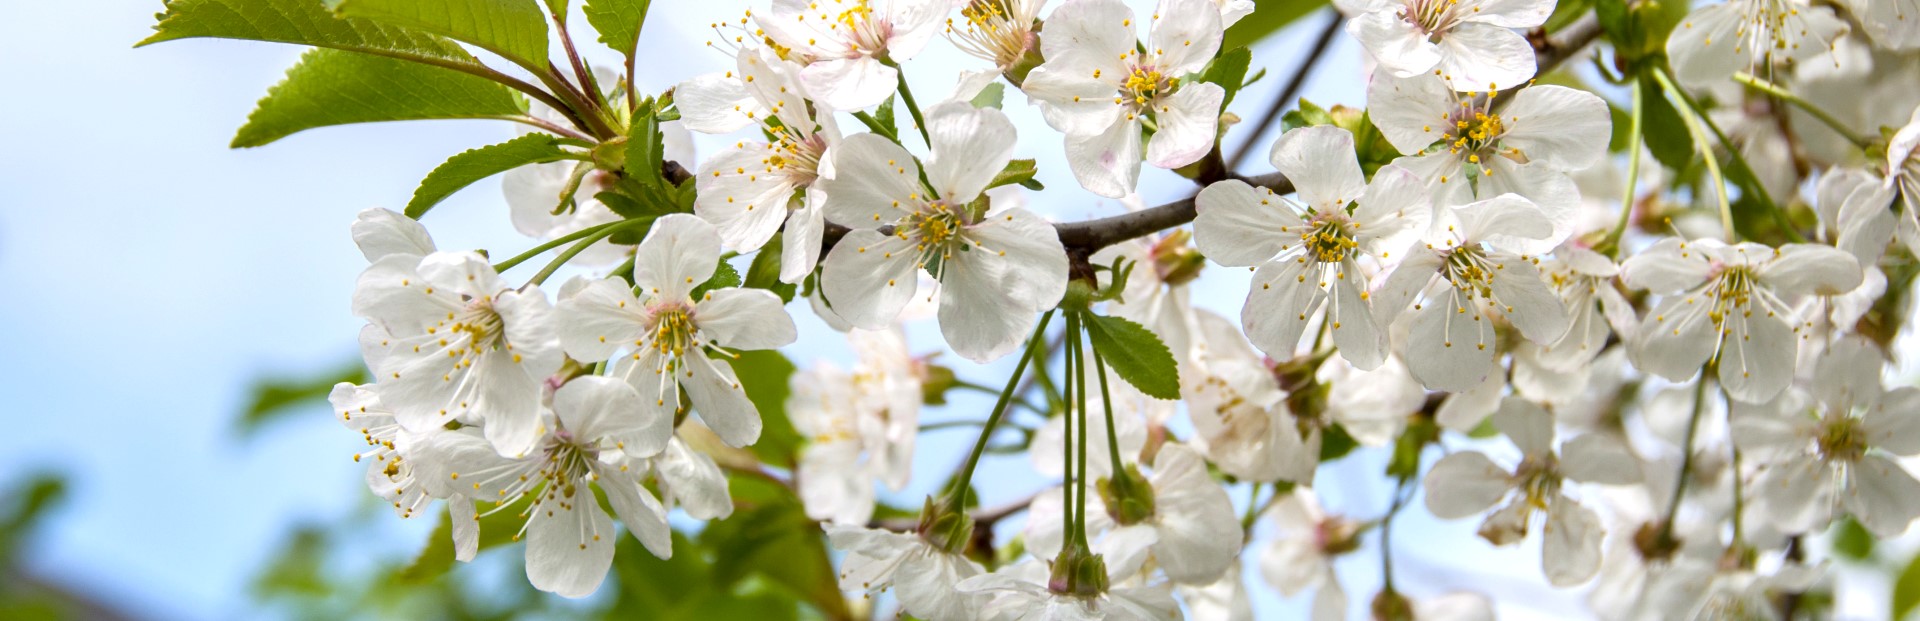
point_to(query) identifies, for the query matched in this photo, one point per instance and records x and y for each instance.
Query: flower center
(1732, 291)
(1430, 16)
(672, 328)
(1539, 480)
(993, 31)
(1144, 84)
(936, 230)
(1337, 536)
(1841, 439)
(1468, 269)
(1474, 130)
(797, 157)
(866, 34)
(482, 325)
(1329, 241)
(565, 467)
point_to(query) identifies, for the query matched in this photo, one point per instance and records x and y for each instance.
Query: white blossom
(1753, 36)
(860, 426)
(1189, 530)
(1020, 592)
(925, 578)
(389, 471)
(1469, 43)
(848, 46)
(1300, 555)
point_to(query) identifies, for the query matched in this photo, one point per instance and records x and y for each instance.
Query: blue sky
(152, 272)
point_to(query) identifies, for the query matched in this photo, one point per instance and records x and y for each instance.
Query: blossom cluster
(1671, 387)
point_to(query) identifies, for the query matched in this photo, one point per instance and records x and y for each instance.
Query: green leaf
(1268, 17)
(1906, 589)
(619, 22)
(1229, 70)
(1017, 171)
(332, 87)
(776, 541)
(1665, 132)
(764, 271)
(763, 376)
(272, 398)
(884, 114)
(497, 527)
(1851, 541)
(1420, 432)
(724, 276)
(1308, 114)
(1335, 443)
(557, 8)
(302, 22)
(514, 29)
(467, 168)
(1136, 354)
(989, 97)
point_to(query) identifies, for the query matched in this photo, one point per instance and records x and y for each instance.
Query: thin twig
(1285, 99)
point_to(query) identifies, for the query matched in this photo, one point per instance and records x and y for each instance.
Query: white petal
(1757, 355)
(1482, 57)
(466, 528)
(643, 514)
(1463, 484)
(1527, 424)
(715, 104)
(1107, 163)
(1360, 340)
(1071, 101)
(746, 208)
(1801, 269)
(1199, 535)
(1566, 128)
(1284, 296)
(970, 146)
(1409, 111)
(1395, 207)
(600, 319)
(869, 277)
(1794, 495)
(1185, 36)
(1571, 551)
(1706, 46)
(1239, 225)
(1528, 303)
(1891, 426)
(980, 320)
(1464, 411)
(717, 396)
(1315, 159)
(596, 407)
(1451, 344)
(694, 482)
(1090, 33)
(1395, 43)
(1418, 269)
(381, 232)
(1511, 13)
(1035, 264)
(569, 545)
(872, 181)
(738, 318)
(849, 83)
(1674, 339)
(679, 253)
(1189, 123)
(800, 247)
(1883, 496)
(1669, 266)
(1599, 458)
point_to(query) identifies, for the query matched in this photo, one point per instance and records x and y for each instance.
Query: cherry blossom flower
(382, 232)
(998, 31)
(1469, 43)
(1187, 529)
(849, 46)
(1101, 89)
(1842, 456)
(1893, 24)
(459, 344)
(997, 268)
(1753, 36)
(923, 576)
(1224, 600)
(1300, 556)
(389, 472)
(1466, 150)
(749, 190)
(1726, 303)
(1239, 413)
(1873, 211)
(1456, 284)
(667, 334)
(860, 426)
(1309, 251)
(1021, 592)
(1583, 279)
(595, 437)
(1467, 482)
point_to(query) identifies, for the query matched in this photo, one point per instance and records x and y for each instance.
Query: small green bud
(1128, 496)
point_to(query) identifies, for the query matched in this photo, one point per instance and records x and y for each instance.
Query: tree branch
(1287, 93)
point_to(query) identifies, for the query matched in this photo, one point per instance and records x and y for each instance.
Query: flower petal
(1189, 123)
(569, 545)
(679, 253)
(872, 181)
(1315, 159)
(738, 318)
(1463, 484)
(1107, 163)
(1239, 225)
(970, 146)
(869, 277)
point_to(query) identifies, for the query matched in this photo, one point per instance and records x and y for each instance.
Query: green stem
(1401, 493)
(906, 97)
(1686, 462)
(1253, 507)
(874, 125)
(577, 248)
(1739, 163)
(1691, 117)
(1017, 401)
(1106, 402)
(1818, 113)
(952, 424)
(1612, 241)
(960, 484)
(1077, 376)
(556, 243)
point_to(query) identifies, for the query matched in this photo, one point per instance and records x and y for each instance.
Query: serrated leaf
(514, 29)
(269, 399)
(333, 87)
(471, 166)
(764, 271)
(1136, 354)
(619, 22)
(1229, 70)
(301, 22)
(989, 97)
(1268, 17)
(724, 276)
(1017, 171)
(884, 114)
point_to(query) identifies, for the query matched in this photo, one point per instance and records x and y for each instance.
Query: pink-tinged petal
(1189, 122)
(869, 277)
(970, 146)
(569, 545)
(850, 83)
(1107, 163)
(1570, 552)
(1480, 57)
(1463, 484)
(1316, 160)
(1398, 46)
(738, 318)
(1239, 225)
(1185, 35)
(679, 253)
(873, 181)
